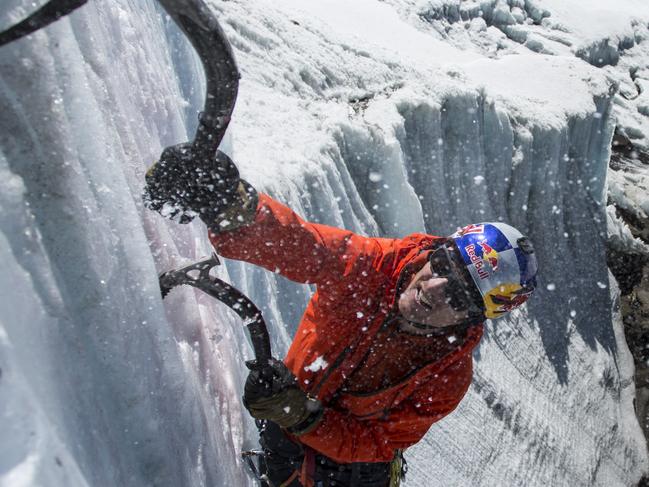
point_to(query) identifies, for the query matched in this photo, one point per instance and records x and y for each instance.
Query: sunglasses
(461, 293)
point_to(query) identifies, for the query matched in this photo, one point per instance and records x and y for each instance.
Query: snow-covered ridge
(493, 12)
(598, 34)
(357, 116)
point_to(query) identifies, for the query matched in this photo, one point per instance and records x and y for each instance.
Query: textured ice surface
(362, 116)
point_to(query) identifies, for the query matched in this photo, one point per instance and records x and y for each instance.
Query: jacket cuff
(309, 424)
(241, 212)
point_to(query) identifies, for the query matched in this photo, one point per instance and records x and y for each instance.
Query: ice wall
(108, 386)
(98, 386)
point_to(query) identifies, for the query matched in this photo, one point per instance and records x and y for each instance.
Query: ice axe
(198, 275)
(202, 29)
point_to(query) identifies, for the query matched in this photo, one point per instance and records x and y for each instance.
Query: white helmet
(501, 262)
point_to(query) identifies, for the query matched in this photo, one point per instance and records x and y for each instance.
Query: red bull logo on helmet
(489, 259)
(477, 262)
(501, 263)
(490, 255)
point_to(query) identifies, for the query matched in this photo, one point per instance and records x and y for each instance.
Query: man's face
(424, 300)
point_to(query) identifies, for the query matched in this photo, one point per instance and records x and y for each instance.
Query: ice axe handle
(260, 341)
(44, 16)
(202, 29)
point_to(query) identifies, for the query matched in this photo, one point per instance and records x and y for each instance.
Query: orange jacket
(357, 282)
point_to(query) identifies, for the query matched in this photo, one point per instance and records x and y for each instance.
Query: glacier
(383, 117)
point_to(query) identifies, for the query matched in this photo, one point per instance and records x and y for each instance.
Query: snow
(629, 188)
(560, 86)
(621, 236)
(318, 364)
(383, 117)
(601, 19)
(378, 28)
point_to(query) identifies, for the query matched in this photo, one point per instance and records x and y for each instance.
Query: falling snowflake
(317, 364)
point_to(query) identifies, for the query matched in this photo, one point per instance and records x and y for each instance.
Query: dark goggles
(462, 294)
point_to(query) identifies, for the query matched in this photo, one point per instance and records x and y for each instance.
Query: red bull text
(489, 256)
(476, 261)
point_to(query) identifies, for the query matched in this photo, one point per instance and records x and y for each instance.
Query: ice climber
(384, 348)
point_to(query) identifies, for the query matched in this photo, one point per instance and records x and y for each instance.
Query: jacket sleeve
(280, 241)
(346, 439)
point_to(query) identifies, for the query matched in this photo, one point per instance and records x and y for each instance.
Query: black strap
(44, 16)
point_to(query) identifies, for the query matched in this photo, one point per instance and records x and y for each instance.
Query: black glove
(184, 184)
(271, 392)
